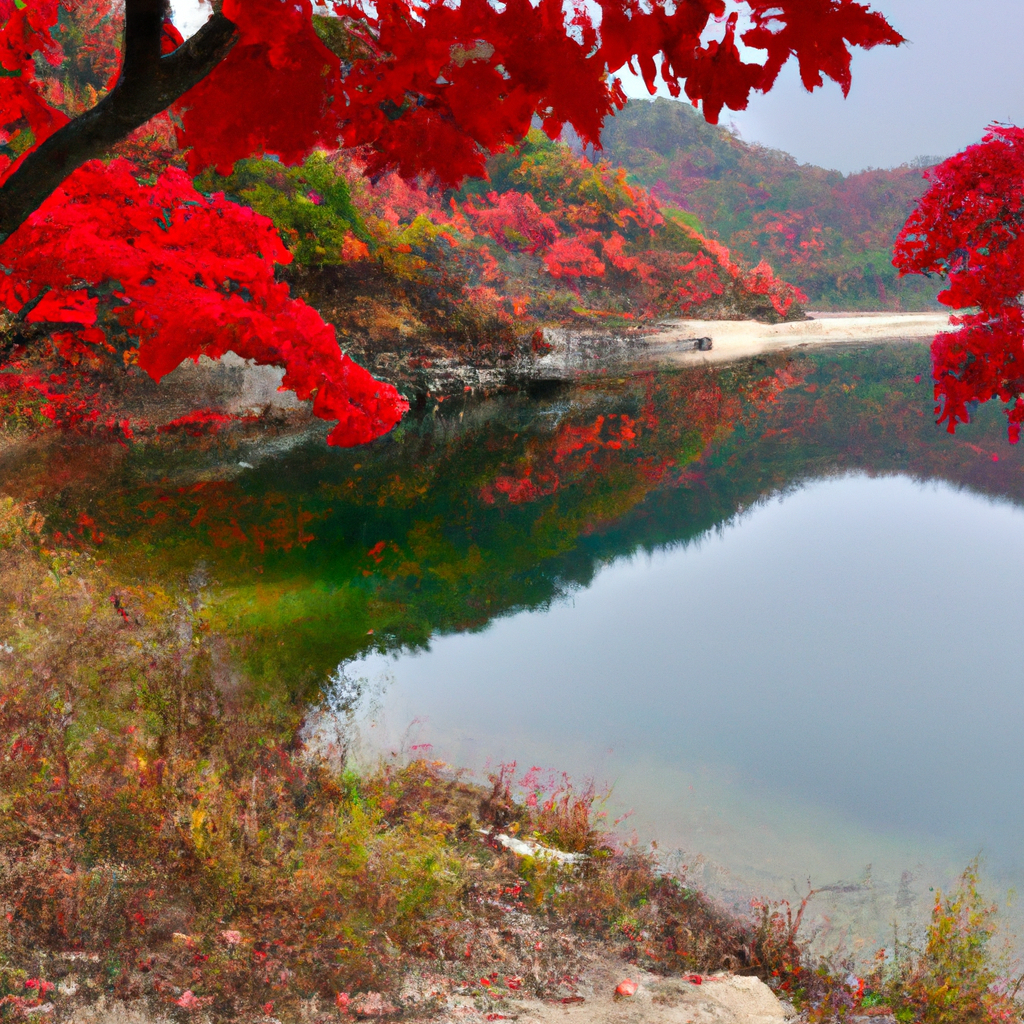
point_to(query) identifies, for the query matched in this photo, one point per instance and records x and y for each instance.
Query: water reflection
(477, 508)
(827, 681)
(809, 691)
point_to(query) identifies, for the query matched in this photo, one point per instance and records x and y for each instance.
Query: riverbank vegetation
(168, 833)
(409, 273)
(174, 833)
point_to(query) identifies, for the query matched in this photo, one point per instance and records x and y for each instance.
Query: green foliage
(310, 205)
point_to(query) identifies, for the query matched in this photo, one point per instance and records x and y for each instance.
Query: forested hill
(830, 234)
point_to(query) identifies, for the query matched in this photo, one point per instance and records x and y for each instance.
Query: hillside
(828, 233)
(409, 271)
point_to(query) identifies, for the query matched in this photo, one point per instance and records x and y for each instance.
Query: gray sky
(961, 69)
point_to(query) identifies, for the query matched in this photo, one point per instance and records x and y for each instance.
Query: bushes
(167, 834)
(310, 205)
(143, 797)
(956, 978)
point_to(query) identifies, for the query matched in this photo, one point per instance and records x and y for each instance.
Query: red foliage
(515, 222)
(563, 219)
(967, 228)
(699, 282)
(613, 250)
(433, 87)
(761, 280)
(198, 422)
(830, 234)
(574, 257)
(574, 452)
(707, 276)
(817, 33)
(24, 114)
(225, 119)
(184, 276)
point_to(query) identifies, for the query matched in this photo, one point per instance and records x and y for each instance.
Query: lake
(770, 605)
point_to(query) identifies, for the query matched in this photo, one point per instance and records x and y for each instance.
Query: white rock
(522, 848)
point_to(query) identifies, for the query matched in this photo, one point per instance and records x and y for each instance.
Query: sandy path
(738, 339)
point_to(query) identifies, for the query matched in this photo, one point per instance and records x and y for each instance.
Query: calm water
(772, 605)
(823, 689)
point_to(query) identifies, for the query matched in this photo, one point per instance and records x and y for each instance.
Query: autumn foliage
(104, 225)
(828, 233)
(153, 272)
(549, 237)
(967, 230)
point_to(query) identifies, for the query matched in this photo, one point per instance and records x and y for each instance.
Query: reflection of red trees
(682, 416)
(229, 518)
(571, 454)
(967, 228)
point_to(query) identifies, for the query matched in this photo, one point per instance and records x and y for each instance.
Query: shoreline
(739, 339)
(575, 352)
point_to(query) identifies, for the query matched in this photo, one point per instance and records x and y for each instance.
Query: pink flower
(188, 1001)
(232, 938)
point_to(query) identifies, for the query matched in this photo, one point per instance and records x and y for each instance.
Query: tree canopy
(967, 229)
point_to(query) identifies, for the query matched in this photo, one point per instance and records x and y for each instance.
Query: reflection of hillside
(478, 509)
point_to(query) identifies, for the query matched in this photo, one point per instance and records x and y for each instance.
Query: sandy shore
(738, 339)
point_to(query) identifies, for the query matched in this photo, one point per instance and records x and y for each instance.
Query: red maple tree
(967, 228)
(426, 87)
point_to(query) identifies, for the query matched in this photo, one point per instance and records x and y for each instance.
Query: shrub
(310, 205)
(956, 978)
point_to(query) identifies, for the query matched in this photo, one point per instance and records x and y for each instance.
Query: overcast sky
(962, 67)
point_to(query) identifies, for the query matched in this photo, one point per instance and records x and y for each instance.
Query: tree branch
(147, 85)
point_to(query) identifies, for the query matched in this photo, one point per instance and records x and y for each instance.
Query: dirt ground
(691, 999)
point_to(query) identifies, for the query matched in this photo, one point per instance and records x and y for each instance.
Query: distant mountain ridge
(828, 233)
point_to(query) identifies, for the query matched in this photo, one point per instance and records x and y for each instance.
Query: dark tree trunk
(148, 84)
